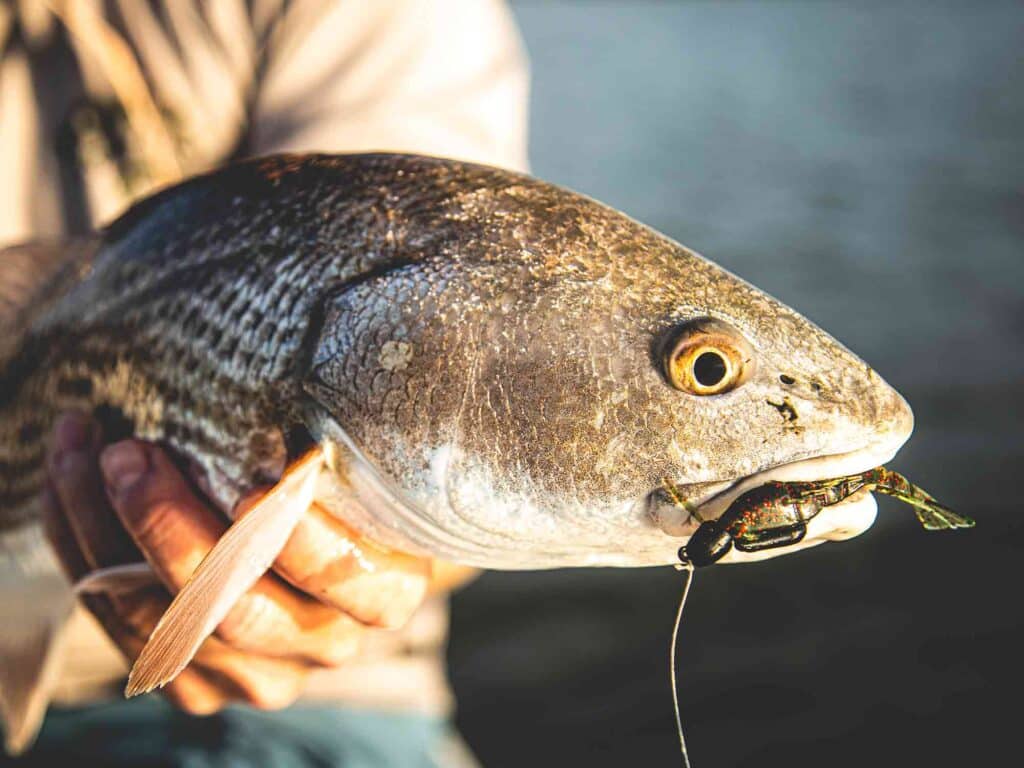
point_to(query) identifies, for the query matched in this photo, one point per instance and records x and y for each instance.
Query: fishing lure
(776, 514)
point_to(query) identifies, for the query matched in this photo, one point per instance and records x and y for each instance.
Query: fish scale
(209, 323)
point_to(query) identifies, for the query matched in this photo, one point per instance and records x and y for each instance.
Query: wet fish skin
(488, 343)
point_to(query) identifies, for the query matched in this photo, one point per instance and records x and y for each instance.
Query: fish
(477, 366)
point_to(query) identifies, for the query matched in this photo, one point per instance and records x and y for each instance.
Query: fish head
(549, 383)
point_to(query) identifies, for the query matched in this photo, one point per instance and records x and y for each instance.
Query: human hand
(125, 502)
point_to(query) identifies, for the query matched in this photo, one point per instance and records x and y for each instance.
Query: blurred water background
(863, 162)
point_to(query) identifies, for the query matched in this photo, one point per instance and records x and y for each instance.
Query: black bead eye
(707, 357)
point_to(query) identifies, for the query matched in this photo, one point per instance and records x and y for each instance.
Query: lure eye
(707, 357)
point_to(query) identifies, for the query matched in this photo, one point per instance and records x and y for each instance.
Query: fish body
(476, 365)
(477, 350)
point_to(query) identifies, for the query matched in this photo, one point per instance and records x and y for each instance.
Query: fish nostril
(787, 380)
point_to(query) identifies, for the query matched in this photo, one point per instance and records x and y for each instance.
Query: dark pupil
(709, 369)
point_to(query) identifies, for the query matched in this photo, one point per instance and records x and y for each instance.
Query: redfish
(476, 365)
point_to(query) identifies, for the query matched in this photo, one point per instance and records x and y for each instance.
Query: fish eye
(707, 357)
(710, 368)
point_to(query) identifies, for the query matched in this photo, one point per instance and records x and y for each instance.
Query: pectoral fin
(235, 563)
(116, 580)
(35, 603)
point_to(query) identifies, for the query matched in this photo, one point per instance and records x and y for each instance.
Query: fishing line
(687, 569)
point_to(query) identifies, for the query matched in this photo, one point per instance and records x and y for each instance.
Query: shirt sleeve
(438, 77)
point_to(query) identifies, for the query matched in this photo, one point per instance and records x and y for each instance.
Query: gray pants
(149, 732)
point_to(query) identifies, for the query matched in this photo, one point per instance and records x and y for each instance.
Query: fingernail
(123, 464)
(72, 433)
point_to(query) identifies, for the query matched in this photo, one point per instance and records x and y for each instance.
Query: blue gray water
(863, 162)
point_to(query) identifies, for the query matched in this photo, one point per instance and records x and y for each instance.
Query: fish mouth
(843, 520)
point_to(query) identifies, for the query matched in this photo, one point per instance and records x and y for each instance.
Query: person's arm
(435, 77)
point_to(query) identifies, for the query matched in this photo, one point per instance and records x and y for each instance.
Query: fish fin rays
(35, 604)
(241, 556)
(116, 580)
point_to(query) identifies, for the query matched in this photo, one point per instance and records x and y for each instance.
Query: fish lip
(685, 520)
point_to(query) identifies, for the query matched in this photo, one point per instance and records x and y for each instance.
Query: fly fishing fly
(776, 515)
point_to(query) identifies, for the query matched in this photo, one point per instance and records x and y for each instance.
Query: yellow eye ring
(708, 358)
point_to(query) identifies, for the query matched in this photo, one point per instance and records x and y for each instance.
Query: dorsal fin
(32, 277)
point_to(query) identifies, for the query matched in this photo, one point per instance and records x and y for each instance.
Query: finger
(75, 479)
(74, 469)
(448, 576)
(234, 675)
(61, 537)
(175, 531)
(261, 681)
(326, 559)
(190, 691)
